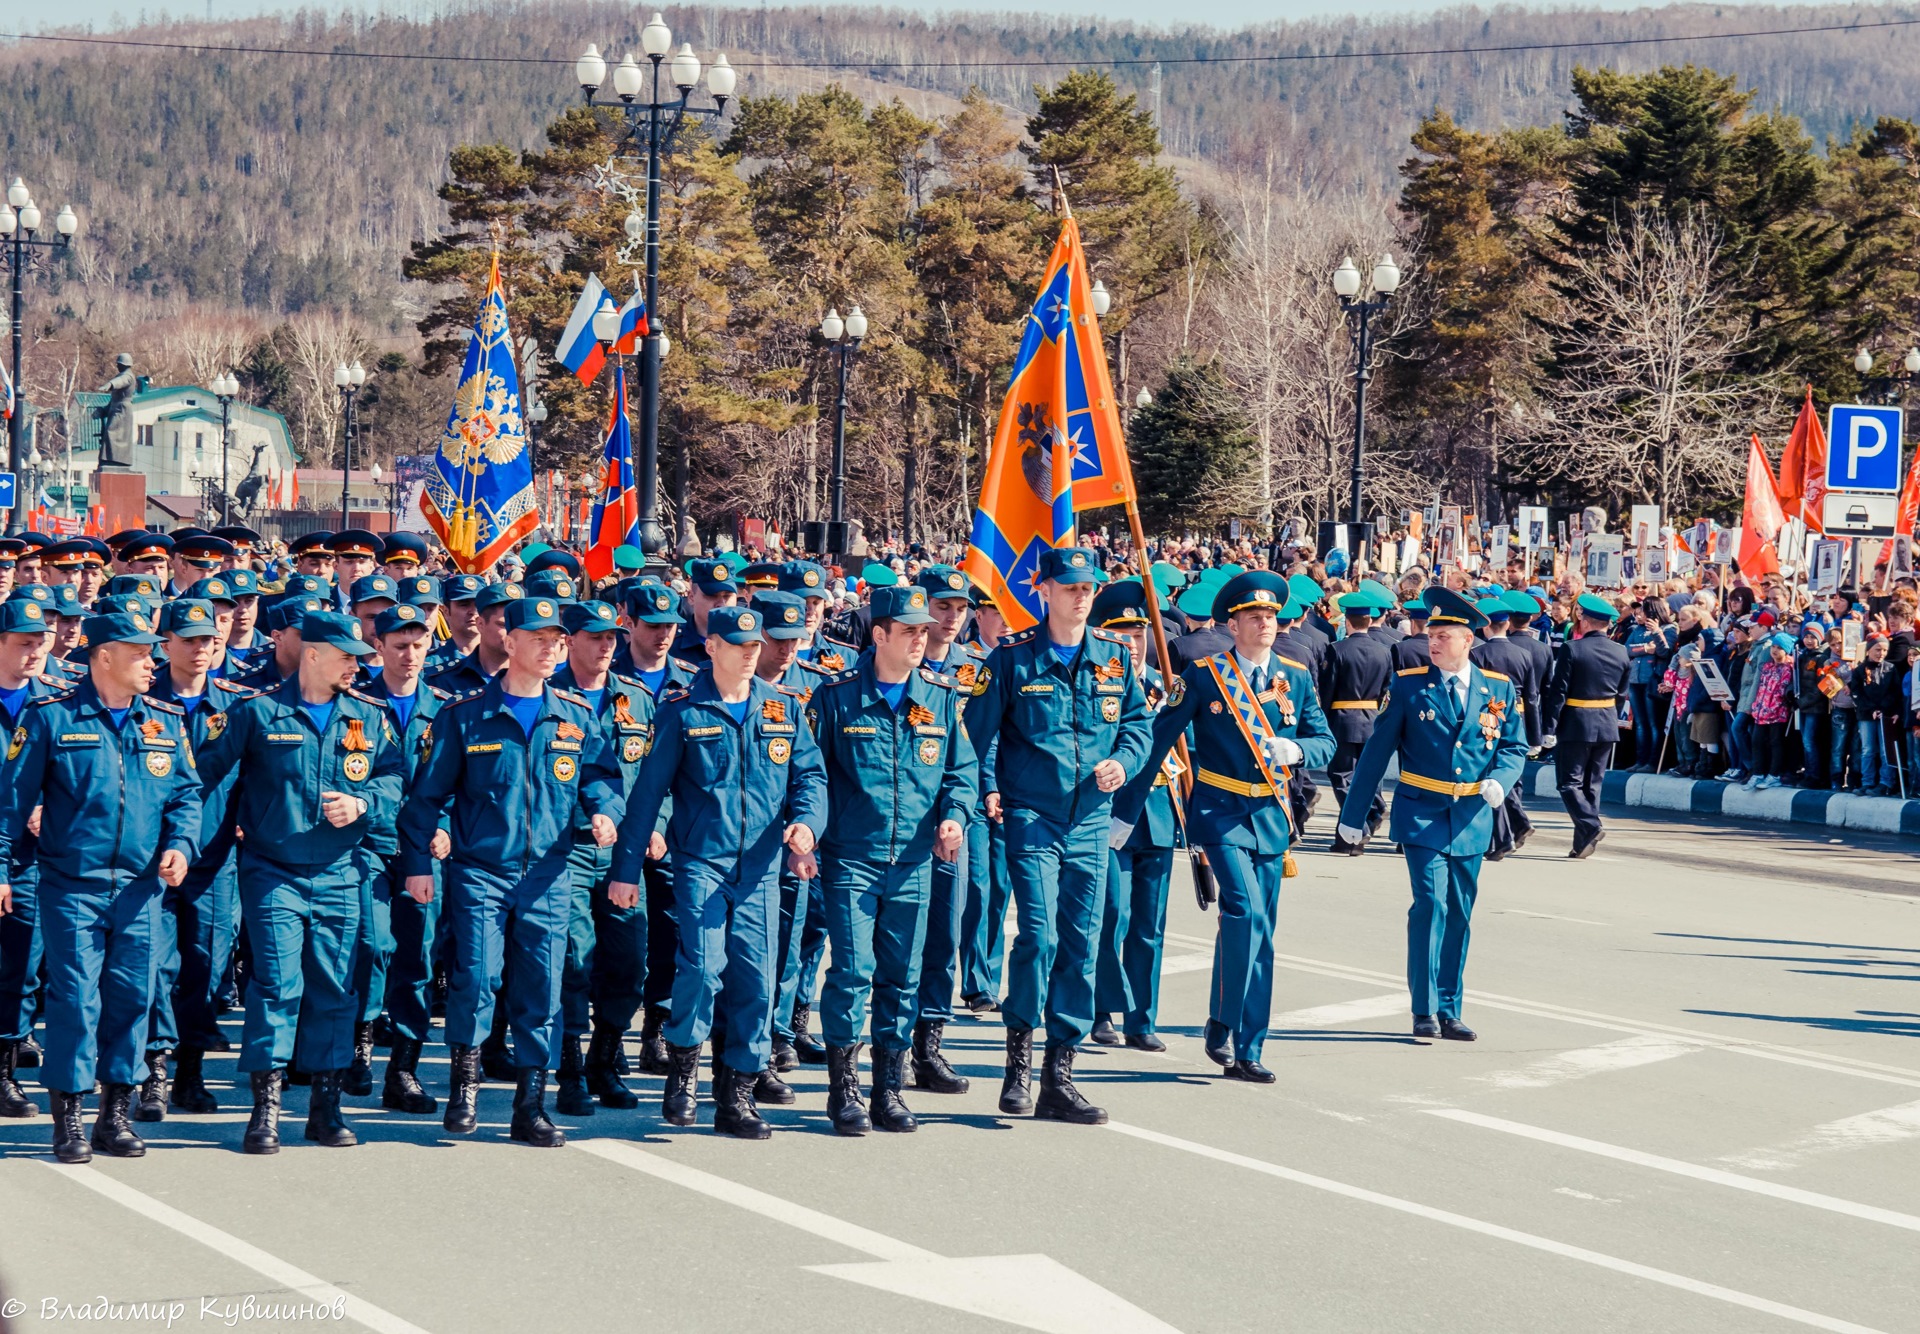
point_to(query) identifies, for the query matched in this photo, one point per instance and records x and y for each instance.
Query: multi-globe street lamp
(21, 249)
(347, 379)
(1360, 312)
(844, 336)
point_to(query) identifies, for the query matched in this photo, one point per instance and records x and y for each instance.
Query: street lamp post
(347, 379)
(657, 121)
(224, 388)
(375, 473)
(1360, 312)
(19, 220)
(1886, 389)
(844, 336)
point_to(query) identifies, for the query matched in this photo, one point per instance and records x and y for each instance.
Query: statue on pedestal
(116, 418)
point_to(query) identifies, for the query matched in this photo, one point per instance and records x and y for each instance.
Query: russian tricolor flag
(633, 325)
(579, 351)
(616, 511)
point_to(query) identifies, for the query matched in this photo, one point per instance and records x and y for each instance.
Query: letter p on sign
(1864, 454)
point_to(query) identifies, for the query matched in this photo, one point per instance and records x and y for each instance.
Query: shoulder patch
(840, 678)
(1412, 671)
(165, 706)
(1292, 663)
(440, 694)
(1020, 637)
(51, 699)
(634, 682)
(468, 696)
(940, 678)
(365, 698)
(1109, 636)
(794, 691)
(233, 687)
(809, 665)
(683, 664)
(673, 693)
(1494, 676)
(572, 698)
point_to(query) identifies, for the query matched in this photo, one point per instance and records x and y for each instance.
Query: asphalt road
(1695, 1105)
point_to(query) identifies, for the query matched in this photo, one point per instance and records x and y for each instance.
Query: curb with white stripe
(1689, 796)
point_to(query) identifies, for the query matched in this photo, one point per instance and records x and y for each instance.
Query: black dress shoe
(1520, 838)
(1220, 1048)
(1251, 1071)
(982, 1003)
(1145, 1042)
(1455, 1031)
(1495, 855)
(1104, 1033)
(1425, 1027)
(1586, 849)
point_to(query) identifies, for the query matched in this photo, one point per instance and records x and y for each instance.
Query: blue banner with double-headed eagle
(479, 496)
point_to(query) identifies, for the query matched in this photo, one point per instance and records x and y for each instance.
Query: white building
(176, 441)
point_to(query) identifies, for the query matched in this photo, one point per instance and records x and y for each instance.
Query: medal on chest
(1491, 720)
(1284, 698)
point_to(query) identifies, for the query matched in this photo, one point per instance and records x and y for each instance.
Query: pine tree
(1192, 450)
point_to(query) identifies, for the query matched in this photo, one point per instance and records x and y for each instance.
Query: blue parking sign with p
(1863, 448)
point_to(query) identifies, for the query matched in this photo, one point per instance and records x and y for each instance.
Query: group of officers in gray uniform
(350, 805)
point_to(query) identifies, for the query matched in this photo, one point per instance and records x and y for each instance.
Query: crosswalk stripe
(1344, 1012)
(1626, 1054)
(1889, 1125)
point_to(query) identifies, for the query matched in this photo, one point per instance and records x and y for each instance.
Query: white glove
(1118, 832)
(1547, 742)
(1351, 836)
(1491, 792)
(1282, 750)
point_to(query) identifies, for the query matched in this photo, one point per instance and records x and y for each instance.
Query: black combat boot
(930, 1069)
(603, 1068)
(844, 1108)
(359, 1080)
(530, 1123)
(263, 1127)
(189, 1086)
(69, 1138)
(1059, 1099)
(496, 1062)
(889, 1077)
(402, 1092)
(14, 1102)
(784, 1057)
(463, 1094)
(152, 1102)
(769, 1087)
(1015, 1097)
(112, 1130)
(653, 1042)
(677, 1105)
(805, 1045)
(570, 1097)
(324, 1124)
(734, 1113)
(27, 1054)
(383, 1033)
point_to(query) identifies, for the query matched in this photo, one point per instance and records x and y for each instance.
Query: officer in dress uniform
(402, 555)
(1353, 688)
(983, 921)
(319, 779)
(112, 773)
(522, 745)
(1071, 723)
(1500, 653)
(356, 554)
(24, 639)
(1461, 745)
(200, 917)
(1255, 716)
(901, 778)
(746, 780)
(1580, 714)
(1139, 872)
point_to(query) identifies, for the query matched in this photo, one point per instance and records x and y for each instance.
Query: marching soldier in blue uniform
(901, 778)
(25, 636)
(1140, 870)
(808, 582)
(1498, 652)
(1353, 688)
(403, 929)
(200, 917)
(1580, 715)
(1071, 722)
(713, 587)
(1457, 733)
(112, 773)
(489, 655)
(459, 594)
(1255, 717)
(983, 921)
(746, 780)
(521, 745)
(319, 779)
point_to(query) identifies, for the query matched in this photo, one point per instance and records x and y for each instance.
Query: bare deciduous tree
(313, 343)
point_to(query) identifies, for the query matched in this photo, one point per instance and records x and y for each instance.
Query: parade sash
(1252, 719)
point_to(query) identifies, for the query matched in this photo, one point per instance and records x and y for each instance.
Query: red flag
(1762, 518)
(1803, 468)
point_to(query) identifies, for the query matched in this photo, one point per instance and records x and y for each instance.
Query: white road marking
(1889, 1125)
(1549, 916)
(1633, 1268)
(1030, 1291)
(1640, 1049)
(1582, 1195)
(1186, 963)
(1732, 1180)
(289, 1276)
(1343, 1012)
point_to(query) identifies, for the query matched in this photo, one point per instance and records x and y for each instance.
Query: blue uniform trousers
(1059, 880)
(1241, 1003)
(412, 927)
(725, 964)
(606, 948)
(21, 946)
(305, 926)
(1132, 937)
(101, 964)
(940, 960)
(799, 943)
(983, 922)
(877, 921)
(198, 921)
(511, 929)
(663, 932)
(377, 944)
(1438, 926)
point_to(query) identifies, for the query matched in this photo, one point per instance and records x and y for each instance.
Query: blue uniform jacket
(626, 716)
(284, 765)
(1148, 796)
(25, 868)
(735, 785)
(514, 796)
(1437, 743)
(1228, 807)
(206, 722)
(416, 743)
(1054, 723)
(462, 678)
(892, 776)
(111, 800)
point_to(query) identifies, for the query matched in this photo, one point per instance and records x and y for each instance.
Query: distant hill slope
(276, 182)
